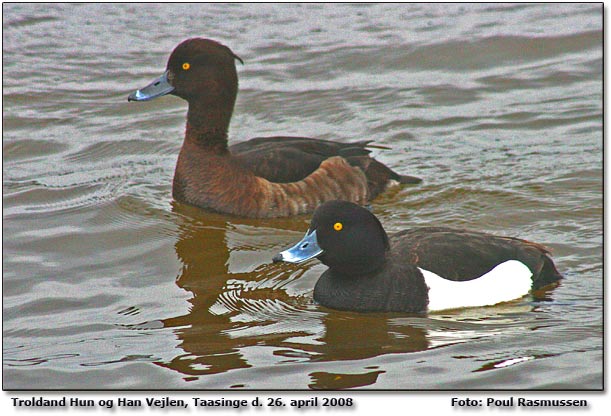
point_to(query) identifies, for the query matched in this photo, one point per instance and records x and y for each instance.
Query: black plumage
(370, 271)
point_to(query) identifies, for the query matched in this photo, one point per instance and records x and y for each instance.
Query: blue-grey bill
(304, 250)
(161, 86)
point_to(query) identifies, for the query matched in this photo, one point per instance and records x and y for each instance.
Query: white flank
(507, 281)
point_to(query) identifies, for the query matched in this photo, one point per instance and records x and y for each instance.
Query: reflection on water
(228, 310)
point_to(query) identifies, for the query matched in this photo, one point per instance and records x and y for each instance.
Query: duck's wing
(291, 159)
(465, 255)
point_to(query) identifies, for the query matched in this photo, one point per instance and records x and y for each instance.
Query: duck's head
(200, 71)
(346, 237)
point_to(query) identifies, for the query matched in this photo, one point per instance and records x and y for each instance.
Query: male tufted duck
(262, 177)
(419, 270)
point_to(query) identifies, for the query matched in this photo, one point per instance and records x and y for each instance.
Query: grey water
(109, 284)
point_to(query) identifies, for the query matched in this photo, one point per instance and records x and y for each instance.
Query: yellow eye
(186, 66)
(338, 226)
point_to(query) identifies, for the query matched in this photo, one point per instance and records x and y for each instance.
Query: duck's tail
(548, 274)
(406, 179)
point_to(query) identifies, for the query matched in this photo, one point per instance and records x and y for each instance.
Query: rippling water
(108, 284)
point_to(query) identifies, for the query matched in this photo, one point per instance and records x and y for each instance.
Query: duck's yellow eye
(186, 66)
(338, 226)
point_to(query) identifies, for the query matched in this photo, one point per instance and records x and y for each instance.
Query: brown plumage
(265, 176)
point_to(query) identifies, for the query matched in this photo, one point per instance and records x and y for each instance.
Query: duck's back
(290, 159)
(460, 255)
(282, 159)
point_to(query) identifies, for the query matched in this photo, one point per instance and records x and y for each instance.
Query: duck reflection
(207, 332)
(242, 305)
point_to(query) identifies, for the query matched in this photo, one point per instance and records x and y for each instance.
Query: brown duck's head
(201, 71)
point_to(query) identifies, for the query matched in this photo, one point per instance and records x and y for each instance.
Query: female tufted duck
(262, 177)
(419, 270)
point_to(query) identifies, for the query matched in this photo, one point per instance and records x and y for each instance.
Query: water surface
(109, 284)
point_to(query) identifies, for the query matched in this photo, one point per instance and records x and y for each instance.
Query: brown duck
(264, 176)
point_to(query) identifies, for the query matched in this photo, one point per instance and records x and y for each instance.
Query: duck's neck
(207, 127)
(206, 174)
(361, 266)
